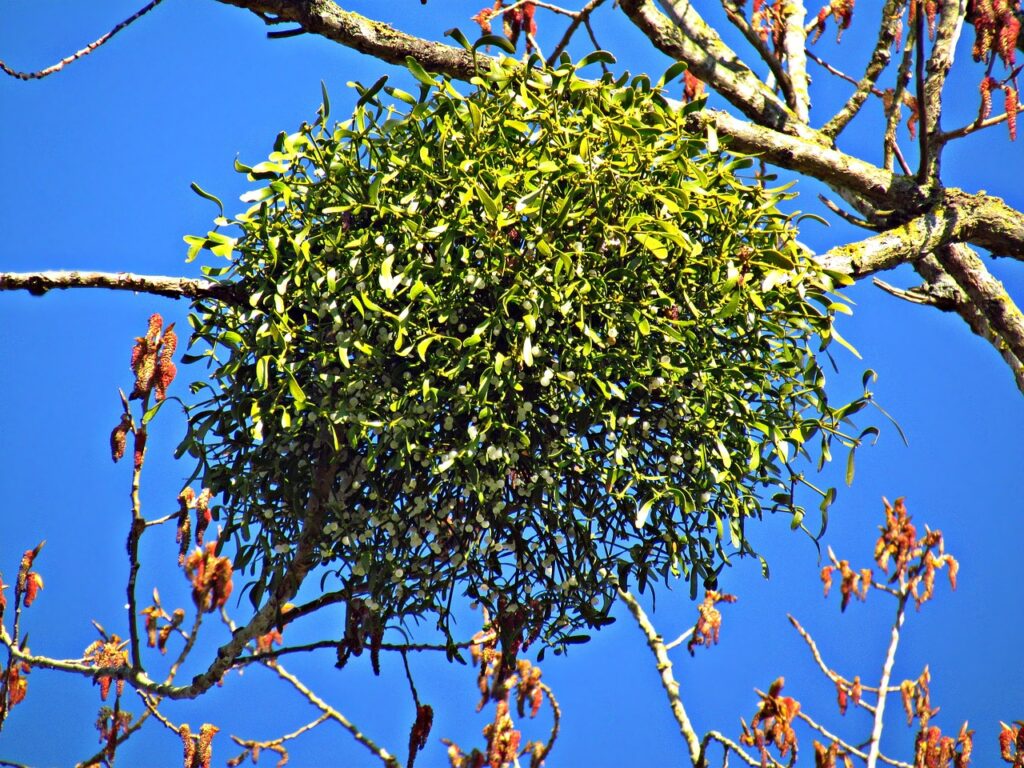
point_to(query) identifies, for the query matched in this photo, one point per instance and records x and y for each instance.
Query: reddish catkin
(204, 754)
(986, 86)
(33, 583)
(144, 366)
(483, 18)
(203, 515)
(119, 437)
(819, 28)
(188, 744)
(140, 448)
(17, 685)
(1010, 104)
(165, 369)
(1009, 31)
(693, 87)
(931, 12)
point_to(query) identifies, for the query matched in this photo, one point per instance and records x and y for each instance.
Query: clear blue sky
(98, 164)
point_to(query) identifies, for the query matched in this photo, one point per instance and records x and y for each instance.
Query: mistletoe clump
(510, 346)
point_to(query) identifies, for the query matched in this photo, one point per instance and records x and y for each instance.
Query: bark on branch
(38, 283)
(374, 38)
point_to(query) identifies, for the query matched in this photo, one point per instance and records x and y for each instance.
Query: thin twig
(39, 283)
(556, 714)
(579, 17)
(412, 683)
(249, 744)
(136, 529)
(330, 712)
(839, 73)
(903, 75)
(333, 644)
(849, 217)
(845, 745)
(829, 672)
(190, 640)
(679, 640)
(977, 125)
(729, 744)
(39, 74)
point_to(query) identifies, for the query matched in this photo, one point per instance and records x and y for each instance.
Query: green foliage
(522, 339)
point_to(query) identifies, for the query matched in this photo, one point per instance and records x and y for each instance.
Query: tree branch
(668, 681)
(40, 74)
(794, 43)
(874, 750)
(734, 12)
(939, 282)
(958, 217)
(330, 712)
(38, 283)
(880, 57)
(987, 294)
(951, 20)
(374, 38)
(882, 188)
(582, 16)
(683, 35)
(895, 246)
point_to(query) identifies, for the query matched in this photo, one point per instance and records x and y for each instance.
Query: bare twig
(578, 17)
(830, 673)
(556, 714)
(874, 750)
(846, 745)
(729, 744)
(330, 712)
(136, 529)
(277, 744)
(903, 75)
(40, 74)
(977, 125)
(680, 640)
(657, 645)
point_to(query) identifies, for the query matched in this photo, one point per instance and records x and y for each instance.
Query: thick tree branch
(794, 43)
(38, 283)
(894, 246)
(951, 297)
(882, 188)
(951, 21)
(683, 35)
(374, 38)
(981, 220)
(987, 294)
